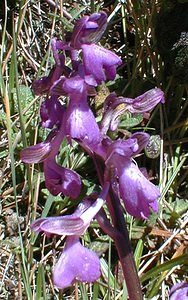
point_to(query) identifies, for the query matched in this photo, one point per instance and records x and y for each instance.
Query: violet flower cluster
(89, 66)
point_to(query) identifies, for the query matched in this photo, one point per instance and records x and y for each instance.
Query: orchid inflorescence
(90, 66)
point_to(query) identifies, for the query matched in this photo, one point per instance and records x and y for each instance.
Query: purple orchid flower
(89, 29)
(79, 121)
(76, 263)
(140, 104)
(57, 179)
(90, 66)
(75, 83)
(49, 148)
(85, 265)
(137, 192)
(99, 62)
(179, 291)
(61, 180)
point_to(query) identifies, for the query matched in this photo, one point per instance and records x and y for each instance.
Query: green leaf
(26, 96)
(129, 120)
(180, 206)
(154, 272)
(39, 283)
(138, 252)
(99, 247)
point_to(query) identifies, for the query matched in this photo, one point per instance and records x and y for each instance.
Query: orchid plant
(121, 181)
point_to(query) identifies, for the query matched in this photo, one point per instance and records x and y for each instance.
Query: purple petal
(76, 263)
(36, 153)
(142, 140)
(61, 180)
(129, 147)
(138, 193)
(74, 84)
(74, 224)
(179, 291)
(42, 86)
(104, 60)
(51, 112)
(63, 225)
(57, 87)
(147, 101)
(89, 29)
(39, 152)
(79, 121)
(90, 80)
(123, 148)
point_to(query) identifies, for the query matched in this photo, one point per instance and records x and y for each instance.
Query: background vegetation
(152, 39)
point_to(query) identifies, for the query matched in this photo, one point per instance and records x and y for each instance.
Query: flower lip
(84, 266)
